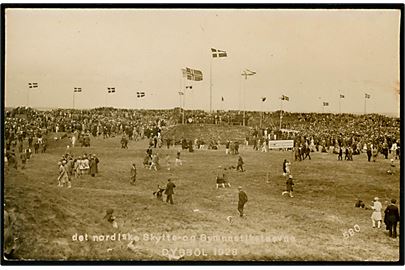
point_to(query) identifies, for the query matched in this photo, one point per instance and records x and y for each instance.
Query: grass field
(308, 227)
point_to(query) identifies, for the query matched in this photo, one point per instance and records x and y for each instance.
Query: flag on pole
(326, 104)
(111, 90)
(33, 85)
(189, 87)
(222, 99)
(342, 96)
(140, 94)
(218, 53)
(247, 73)
(366, 95)
(77, 89)
(284, 97)
(181, 93)
(264, 99)
(192, 74)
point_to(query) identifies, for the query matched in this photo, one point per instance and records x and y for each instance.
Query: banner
(281, 144)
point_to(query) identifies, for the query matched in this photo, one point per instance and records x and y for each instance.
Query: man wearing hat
(376, 215)
(289, 184)
(391, 218)
(242, 200)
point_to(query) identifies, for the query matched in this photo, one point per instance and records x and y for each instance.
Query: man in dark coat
(242, 201)
(391, 218)
(92, 165)
(170, 191)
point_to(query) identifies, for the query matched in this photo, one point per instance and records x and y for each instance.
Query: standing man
(133, 174)
(391, 218)
(369, 154)
(92, 165)
(242, 201)
(170, 191)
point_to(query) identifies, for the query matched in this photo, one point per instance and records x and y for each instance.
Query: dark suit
(242, 200)
(391, 218)
(169, 192)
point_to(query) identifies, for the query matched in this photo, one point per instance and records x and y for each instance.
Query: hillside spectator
(391, 218)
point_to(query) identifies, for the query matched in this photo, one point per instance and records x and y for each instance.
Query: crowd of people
(26, 133)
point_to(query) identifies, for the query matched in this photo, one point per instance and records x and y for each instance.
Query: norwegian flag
(77, 89)
(367, 95)
(326, 104)
(140, 94)
(111, 90)
(284, 97)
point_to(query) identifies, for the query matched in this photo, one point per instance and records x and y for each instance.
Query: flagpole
(281, 111)
(365, 102)
(184, 92)
(211, 84)
(28, 97)
(339, 104)
(261, 115)
(74, 99)
(244, 103)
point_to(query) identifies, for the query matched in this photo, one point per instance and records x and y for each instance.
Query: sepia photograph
(208, 134)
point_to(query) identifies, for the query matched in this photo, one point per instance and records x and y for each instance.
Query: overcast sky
(311, 56)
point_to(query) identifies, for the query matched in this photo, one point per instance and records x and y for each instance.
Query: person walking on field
(239, 167)
(169, 191)
(178, 160)
(243, 199)
(133, 174)
(376, 216)
(289, 184)
(391, 218)
(63, 177)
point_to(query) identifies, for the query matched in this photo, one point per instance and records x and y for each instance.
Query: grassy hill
(309, 226)
(208, 132)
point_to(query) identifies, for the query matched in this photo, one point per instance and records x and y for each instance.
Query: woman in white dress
(376, 215)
